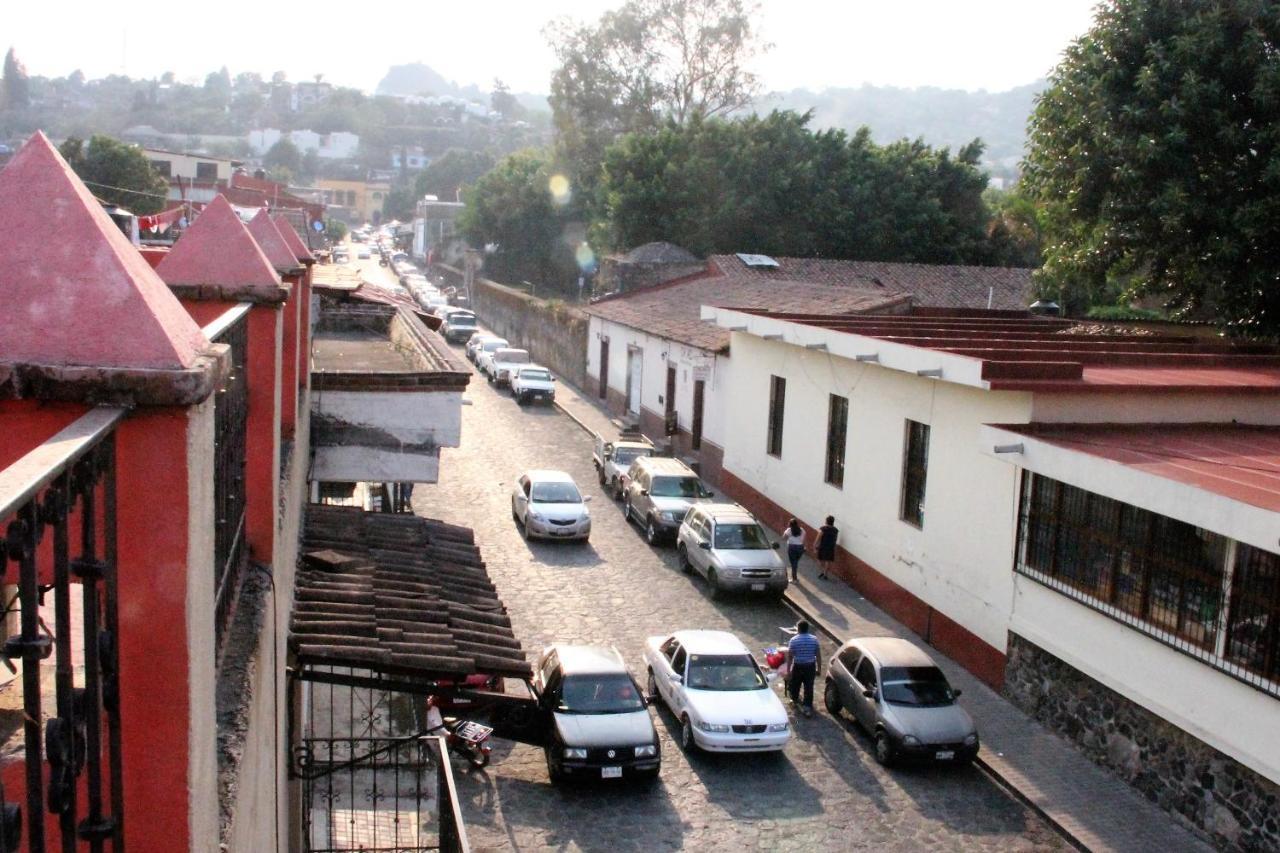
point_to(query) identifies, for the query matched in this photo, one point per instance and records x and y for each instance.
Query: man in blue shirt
(802, 665)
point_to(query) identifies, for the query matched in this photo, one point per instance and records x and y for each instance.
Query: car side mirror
(586, 499)
(677, 679)
(771, 676)
(706, 546)
(955, 694)
(711, 494)
(775, 545)
(869, 693)
(644, 492)
(553, 379)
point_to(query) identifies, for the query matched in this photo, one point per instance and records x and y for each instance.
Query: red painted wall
(262, 431)
(292, 339)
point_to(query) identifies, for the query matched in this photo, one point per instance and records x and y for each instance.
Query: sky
(980, 44)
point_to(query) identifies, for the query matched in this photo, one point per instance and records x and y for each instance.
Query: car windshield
(623, 456)
(492, 346)
(462, 319)
(536, 375)
(741, 537)
(556, 493)
(724, 672)
(918, 686)
(600, 694)
(512, 356)
(677, 487)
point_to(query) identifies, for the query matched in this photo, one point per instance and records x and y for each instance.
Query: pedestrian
(795, 547)
(827, 536)
(802, 667)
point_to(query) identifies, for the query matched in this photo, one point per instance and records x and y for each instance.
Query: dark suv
(598, 723)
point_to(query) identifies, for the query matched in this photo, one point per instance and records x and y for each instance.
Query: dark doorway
(604, 368)
(670, 418)
(695, 428)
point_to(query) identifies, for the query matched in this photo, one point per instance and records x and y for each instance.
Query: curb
(574, 418)
(999, 779)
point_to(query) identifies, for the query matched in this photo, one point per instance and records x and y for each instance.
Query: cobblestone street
(825, 792)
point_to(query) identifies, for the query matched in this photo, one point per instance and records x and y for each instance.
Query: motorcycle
(469, 739)
(382, 262)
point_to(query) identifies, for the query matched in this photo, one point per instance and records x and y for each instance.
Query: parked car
(725, 544)
(897, 694)
(474, 342)
(362, 253)
(598, 722)
(459, 326)
(533, 382)
(613, 458)
(484, 352)
(715, 688)
(503, 362)
(548, 504)
(657, 492)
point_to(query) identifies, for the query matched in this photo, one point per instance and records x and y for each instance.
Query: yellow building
(353, 201)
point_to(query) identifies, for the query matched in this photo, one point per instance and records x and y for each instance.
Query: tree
(117, 173)
(454, 170)
(1155, 156)
(502, 101)
(15, 86)
(648, 61)
(283, 157)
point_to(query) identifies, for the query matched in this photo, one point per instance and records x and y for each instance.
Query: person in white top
(795, 547)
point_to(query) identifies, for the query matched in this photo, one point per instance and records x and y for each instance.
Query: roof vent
(758, 261)
(1045, 309)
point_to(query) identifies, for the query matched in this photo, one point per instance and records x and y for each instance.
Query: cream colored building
(353, 201)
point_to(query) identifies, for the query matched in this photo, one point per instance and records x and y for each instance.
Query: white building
(1088, 522)
(653, 360)
(338, 145)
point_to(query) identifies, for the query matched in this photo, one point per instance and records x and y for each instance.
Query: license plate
(944, 755)
(610, 772)
(562, 532)
(757, 587)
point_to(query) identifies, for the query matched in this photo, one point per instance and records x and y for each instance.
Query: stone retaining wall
(1210, 792)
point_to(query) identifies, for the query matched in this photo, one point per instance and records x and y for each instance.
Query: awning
(401, 596)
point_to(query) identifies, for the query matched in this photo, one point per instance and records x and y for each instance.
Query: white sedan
(548, 504)
(716, 689)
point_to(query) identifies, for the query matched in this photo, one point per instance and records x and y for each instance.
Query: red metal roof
(1237, 461)
(75, 290)
(1022, 352)
(218, 250)
(272, 242)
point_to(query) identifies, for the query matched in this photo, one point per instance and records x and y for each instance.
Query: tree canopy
(118, 174)
(456, 169)
(1154, 155)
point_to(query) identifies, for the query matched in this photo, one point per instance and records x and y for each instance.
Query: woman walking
(795, 548)
(827, 536)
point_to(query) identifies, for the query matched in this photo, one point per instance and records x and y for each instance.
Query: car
(598, 724)
(503, 362)
(533, 382)
(549, 505)
(725, 543)
(900, 697)
(474, 342)
(712, 684)
(362, 253)
(341, 256)
(612, 458)
(459, 326)
(484, 353)
(656, 494)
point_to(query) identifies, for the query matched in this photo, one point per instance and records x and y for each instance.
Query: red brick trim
(936, 628)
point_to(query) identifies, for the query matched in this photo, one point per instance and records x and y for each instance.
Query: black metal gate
(372, 779)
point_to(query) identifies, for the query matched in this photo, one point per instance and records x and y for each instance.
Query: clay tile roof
(299, 248)
(400, 595)
(75, 290)
(272, 242)
(218, 251)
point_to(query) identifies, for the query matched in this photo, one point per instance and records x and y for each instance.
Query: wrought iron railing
(65, 491)
(230, 416)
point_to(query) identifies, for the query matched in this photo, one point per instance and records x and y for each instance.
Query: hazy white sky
(991, 44)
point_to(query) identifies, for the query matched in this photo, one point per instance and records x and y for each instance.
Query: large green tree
(117, 173)
(1154, 155)
(452, 171)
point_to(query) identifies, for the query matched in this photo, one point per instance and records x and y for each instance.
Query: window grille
(837, 432)
(915, 468)
(777, 404)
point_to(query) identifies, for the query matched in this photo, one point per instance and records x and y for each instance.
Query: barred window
(1163, 576)
(777, 403)
(915, 467)
(837, 432)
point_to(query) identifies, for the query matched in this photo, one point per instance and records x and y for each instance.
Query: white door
(635, 361)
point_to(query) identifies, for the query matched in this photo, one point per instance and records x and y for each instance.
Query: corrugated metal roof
(1237, 461)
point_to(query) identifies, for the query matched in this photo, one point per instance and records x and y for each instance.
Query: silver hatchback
(898, 695)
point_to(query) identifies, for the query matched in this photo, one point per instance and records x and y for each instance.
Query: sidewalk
(1087, 804)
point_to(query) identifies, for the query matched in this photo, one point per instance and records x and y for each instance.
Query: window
(164, 167)
(837, 428)
(695, 428)
(849, 659)
(777, 402)
(915, 465)
(867, 674)
(677, 660)
(206, 171)
(351, 198)
(1171, 580)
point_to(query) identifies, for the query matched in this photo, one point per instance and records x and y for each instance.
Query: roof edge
(230, 293)
(119, 386)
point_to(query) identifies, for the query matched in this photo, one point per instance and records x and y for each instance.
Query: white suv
(724, 543)
(533, 382)
(484, 352)
(504, 362)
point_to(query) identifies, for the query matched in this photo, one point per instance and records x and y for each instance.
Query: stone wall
(555, 334)
(617, 276)
(1210, 792)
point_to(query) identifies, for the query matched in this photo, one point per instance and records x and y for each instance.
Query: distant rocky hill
(419, 79)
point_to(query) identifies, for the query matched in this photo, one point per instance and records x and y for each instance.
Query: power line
(125, 189)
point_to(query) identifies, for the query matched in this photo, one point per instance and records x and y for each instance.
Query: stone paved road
(825, 792)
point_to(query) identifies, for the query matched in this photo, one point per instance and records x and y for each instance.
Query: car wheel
(626, 509)
(714, 582)
(884, 749)
(524, 528)
(521, 399)
(687, 742)
(552, 773)
(652, 686)
(489, 376)
(617, 489)
(515, 516)
(600, 475)
(685, 565)
(651, 532)
(831, 698)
